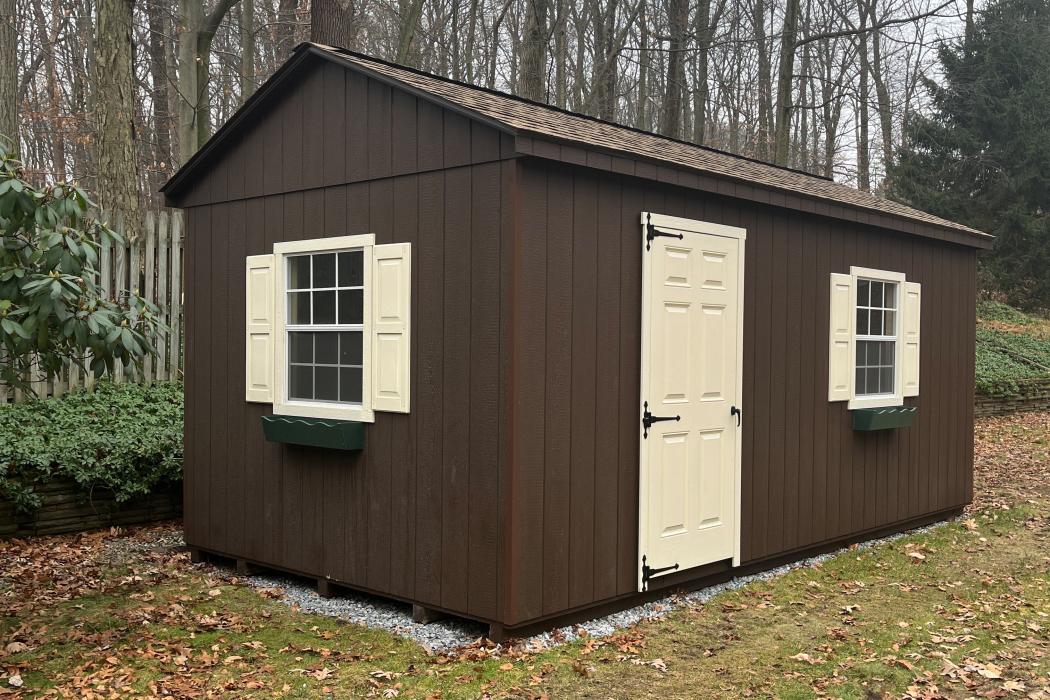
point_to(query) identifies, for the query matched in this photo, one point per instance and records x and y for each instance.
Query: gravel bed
(373, 611)
(450, 634)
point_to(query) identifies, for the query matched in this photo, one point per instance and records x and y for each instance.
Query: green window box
(315, 432)
(883, 418)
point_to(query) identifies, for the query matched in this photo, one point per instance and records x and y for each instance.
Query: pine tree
(981, 157)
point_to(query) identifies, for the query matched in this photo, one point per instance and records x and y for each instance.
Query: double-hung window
(876, 366)
(324, 321)
(328, 327)
(873, 357)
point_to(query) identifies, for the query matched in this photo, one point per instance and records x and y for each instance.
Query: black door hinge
(648, 419)
(652, 232)
(648, 572)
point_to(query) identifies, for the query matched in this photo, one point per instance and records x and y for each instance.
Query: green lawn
(959, 611)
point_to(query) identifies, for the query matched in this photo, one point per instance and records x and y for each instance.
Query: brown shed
(520, 365)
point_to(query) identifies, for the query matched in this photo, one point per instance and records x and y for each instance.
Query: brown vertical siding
(808, 478)
(417, 514)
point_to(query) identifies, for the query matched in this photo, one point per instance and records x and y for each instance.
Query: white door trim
(674, 223)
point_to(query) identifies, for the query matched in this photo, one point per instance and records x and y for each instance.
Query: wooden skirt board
(692, 325)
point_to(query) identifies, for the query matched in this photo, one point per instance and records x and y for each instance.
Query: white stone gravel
(448, 635)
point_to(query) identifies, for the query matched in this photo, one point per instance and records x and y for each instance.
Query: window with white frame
(873, 358)
(325, 317)
(328, 324)
(876, 366)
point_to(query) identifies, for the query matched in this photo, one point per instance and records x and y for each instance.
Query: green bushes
(1012, 348)
(125, 438)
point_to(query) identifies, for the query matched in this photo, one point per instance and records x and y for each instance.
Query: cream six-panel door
(692, 293)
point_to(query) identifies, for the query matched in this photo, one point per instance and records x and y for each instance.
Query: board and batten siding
(416, 515)
(808, 478)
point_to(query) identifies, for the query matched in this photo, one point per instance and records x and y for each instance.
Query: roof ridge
(555, 108)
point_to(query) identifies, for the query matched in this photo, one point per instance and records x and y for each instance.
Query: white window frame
(322, 409)
(878, 400)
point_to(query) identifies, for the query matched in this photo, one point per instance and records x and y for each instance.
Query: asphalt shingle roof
(545, 121)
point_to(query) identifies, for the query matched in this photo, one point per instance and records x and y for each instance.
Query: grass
(960, 610)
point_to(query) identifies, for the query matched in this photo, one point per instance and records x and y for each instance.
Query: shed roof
(519, 116)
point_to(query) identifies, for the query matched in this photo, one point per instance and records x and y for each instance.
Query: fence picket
(176, 296)
(149, 283)
(153, 266)
(162, 293)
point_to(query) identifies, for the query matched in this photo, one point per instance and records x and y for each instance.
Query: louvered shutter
(391, 323)
(910, 338)
(840, 342)
(258, 352)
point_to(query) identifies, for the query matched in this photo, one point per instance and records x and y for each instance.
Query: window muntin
(876, 337)
(325, 332)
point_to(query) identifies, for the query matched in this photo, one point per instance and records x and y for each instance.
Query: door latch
(734, 411)
(648, 419)
(652, 232)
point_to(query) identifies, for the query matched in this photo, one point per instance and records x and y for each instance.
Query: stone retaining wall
(66, 509)
(1033, 396)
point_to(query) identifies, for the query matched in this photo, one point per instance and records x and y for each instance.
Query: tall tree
(674, 82)
(116, 157)
(980, 157)
(532, 80)
(198, 32)
(785, 74)
(9, 71)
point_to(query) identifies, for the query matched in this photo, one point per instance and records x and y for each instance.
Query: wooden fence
(154, 267)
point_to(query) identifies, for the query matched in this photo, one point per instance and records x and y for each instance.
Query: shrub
(125, 438)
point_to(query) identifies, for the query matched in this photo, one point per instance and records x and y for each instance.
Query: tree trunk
(531, 79)
(671, 111)
(782, 138)
(641, 119)
(9, 68)
(561, 55)
(863, 138)
(332, 23)
(115, 133)
(161, 107)
(247, 49)
(411, 10)
(198, 31)
(285, 29)
(765, 81)
(882, 94)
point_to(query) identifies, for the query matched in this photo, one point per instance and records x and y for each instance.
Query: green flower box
(883, 418)
(315, 432)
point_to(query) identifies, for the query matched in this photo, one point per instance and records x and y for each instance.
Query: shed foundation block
(424, 616)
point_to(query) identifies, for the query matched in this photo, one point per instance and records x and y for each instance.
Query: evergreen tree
(983, 157)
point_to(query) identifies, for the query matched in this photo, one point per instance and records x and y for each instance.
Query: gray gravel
(450, 634)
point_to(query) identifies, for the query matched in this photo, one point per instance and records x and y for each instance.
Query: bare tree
(9, 70)
(118, 182)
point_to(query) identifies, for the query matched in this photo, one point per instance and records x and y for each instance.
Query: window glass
(876, 337)
(325, 338)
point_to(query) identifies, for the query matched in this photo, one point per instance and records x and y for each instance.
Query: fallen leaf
(15, 681)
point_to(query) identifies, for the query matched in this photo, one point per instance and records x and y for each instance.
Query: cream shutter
(910, 338)
(259, 338)
(391, 322)
(840, 343)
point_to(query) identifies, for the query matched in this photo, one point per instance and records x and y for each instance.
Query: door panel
(692, 293)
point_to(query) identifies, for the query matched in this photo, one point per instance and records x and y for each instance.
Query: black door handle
(734, 411)
(648, 419)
